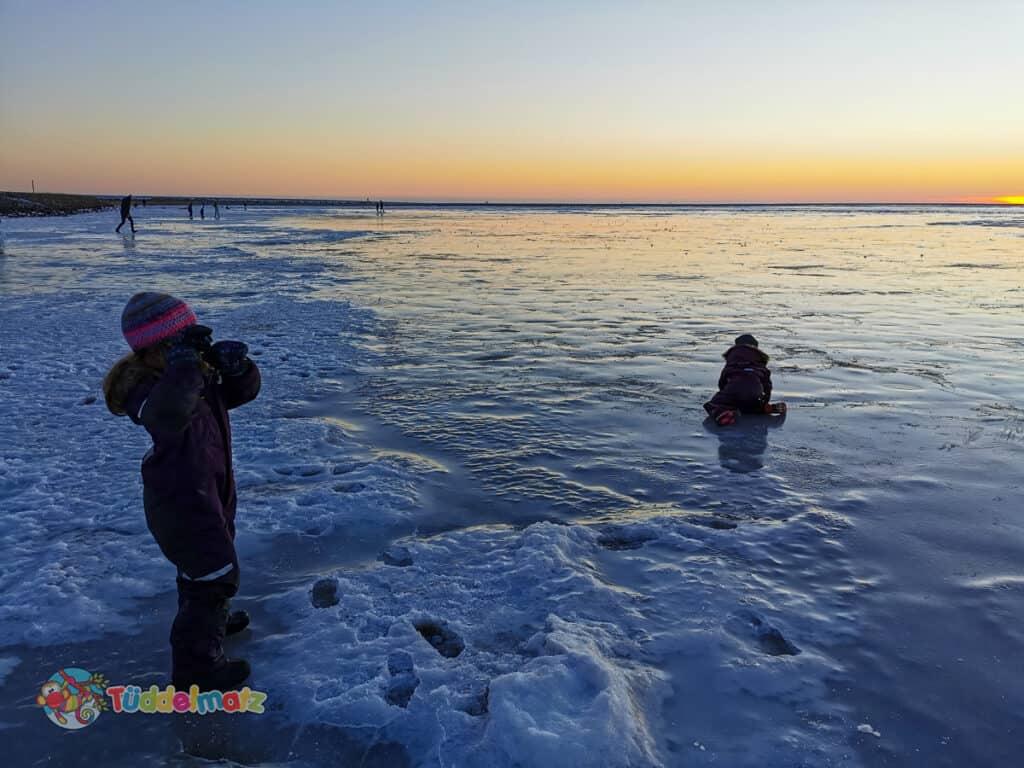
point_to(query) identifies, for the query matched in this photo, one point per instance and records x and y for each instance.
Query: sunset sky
(577, 101)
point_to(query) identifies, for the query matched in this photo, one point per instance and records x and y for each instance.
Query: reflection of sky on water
(562, 355)
(554, 348)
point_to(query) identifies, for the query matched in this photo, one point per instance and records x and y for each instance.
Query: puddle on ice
(483, 520)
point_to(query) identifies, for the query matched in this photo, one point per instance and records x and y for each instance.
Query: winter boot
(237, 621)
(727, 417)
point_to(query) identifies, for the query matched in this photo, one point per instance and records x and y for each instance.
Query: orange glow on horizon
(297, 164)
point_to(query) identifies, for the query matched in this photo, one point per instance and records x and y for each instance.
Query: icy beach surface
(482, 518)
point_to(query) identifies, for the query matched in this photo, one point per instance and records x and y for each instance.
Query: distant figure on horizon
(745, 385)
(381, 204)
(190, 216)
(202, 212)
(216, 209)
(126, 213)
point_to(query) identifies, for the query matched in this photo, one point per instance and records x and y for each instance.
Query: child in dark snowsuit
(179, 386)
(745, 385)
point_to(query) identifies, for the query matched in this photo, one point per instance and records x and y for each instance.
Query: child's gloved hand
(189, 345)
(229, 357)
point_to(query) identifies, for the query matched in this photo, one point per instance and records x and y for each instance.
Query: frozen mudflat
(482, 519)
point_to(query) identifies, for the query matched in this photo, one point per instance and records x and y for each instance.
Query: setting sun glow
(582, 102)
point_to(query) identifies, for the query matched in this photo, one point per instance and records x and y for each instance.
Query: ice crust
(698, 622)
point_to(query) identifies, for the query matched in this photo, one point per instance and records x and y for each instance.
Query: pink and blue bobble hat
(149, 318)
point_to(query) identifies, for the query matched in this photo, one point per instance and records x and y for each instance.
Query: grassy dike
(46, 204)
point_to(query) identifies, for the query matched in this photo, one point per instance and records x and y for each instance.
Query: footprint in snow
(304, 470)
(397, 555)
(748, 626)
(619, 538)
(716, 523)
(324, 594)
(443, 639)
(353, 487)
(403, 681)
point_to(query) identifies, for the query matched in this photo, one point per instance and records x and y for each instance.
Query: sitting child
(745, 385)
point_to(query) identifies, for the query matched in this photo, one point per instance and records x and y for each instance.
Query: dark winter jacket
(126, 206)
(188, 482)
(745, 379)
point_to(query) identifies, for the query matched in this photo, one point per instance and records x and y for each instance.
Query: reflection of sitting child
(745, 385)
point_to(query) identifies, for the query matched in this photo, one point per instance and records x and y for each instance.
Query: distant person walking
(202, 212)
(190, 216)
(380, 205)
(216, 209)
(126, 213)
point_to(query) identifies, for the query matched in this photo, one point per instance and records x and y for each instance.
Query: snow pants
(197, 635)
(741, 393)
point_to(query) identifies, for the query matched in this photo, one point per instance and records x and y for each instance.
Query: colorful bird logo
(73, 698)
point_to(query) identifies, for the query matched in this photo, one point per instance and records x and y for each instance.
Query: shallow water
(465, 378)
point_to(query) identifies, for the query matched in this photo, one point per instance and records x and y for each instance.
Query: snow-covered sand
(579, 570)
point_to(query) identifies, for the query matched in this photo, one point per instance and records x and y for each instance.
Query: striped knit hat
(149, 318)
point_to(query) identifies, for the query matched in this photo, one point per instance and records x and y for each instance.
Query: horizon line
(1002, 200)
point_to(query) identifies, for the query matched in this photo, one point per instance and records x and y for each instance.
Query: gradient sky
(584, 101)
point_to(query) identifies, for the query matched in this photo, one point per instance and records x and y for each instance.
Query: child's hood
(745, 355)
(127, 374)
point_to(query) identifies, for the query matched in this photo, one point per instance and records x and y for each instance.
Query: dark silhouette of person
(190, 216)
(126, 213)
(381, 207)
(202, 211)
(745, 384)
(216, 210)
